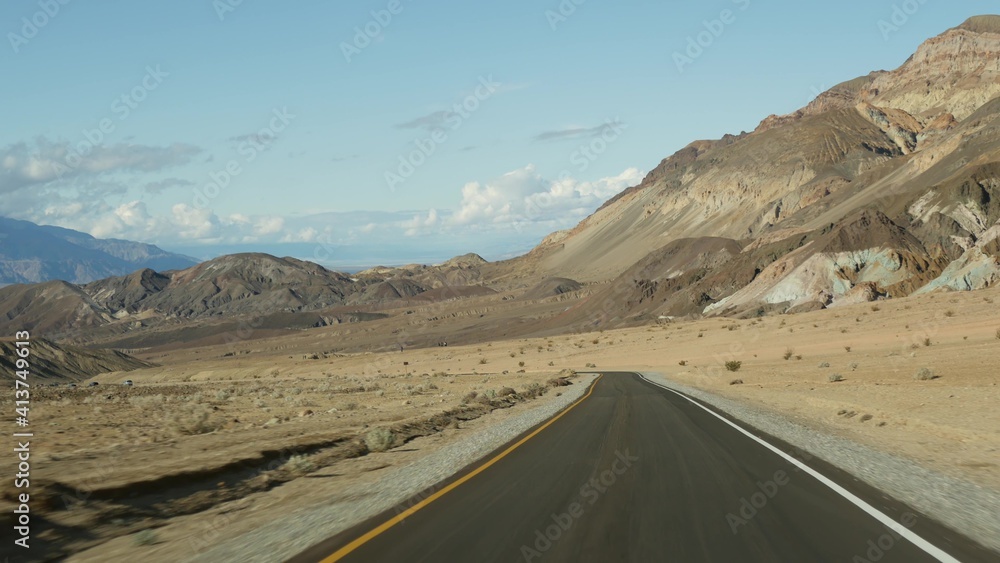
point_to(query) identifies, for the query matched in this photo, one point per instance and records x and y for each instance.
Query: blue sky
(448, 127)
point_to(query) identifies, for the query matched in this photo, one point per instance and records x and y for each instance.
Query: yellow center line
(367, 537)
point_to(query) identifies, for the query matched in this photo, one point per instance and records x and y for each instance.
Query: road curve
(635, 472)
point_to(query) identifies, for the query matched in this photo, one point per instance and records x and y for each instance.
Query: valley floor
(265, 425)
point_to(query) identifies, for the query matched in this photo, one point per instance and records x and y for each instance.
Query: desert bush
(221, 395)
(998, 334)
(788, 354)
(193, 419)
(924, 374)
(147, 401)
(682, 363)
(949, 313)
(380, 439)
(520, 364)
(876, 308)
(506, 392)
(847, 349)
(835, 377)
(534, 389)
(736, 382)
(824, 365)
(854, 366)
(927, 342)
(146, 537)
(299, 465)
(513, 355)
(275, 372)
(733, 365)
(482, 361)
(469, 397)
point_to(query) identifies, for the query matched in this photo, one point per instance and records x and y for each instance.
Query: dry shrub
(193, 419)
(380, 439)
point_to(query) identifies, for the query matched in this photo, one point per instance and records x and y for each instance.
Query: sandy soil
(234, 415)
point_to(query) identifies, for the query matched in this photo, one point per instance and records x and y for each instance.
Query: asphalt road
(634, 472)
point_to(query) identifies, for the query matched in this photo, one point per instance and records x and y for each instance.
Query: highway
(639, 473)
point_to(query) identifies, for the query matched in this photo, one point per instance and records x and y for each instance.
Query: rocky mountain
(883, 186)
(31, 253)
(55, 363)
(260, 286)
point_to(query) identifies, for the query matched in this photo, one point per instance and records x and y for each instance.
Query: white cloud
(308, 234)
(268, 226)
(421, 224)
(23, 165)
(103, 195)
(193, 223)
(524, 196)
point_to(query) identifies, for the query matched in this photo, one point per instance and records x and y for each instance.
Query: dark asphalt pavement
(637, 473)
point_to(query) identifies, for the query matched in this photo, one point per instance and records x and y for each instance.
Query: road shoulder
(965, 507)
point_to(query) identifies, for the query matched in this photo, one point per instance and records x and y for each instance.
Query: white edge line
(903, 531)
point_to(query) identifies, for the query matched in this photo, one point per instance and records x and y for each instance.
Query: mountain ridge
(32, 253)
(883, 186)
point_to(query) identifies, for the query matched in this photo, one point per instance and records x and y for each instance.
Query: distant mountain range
(31, 253)
(279, 293)
(884, 186)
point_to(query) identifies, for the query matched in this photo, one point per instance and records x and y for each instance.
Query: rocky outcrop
(55, 363)
(903, 163)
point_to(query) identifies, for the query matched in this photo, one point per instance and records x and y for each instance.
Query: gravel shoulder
(285, 521)
(963, 506)
(304, 528)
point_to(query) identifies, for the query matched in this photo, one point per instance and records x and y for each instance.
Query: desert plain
(266, 426)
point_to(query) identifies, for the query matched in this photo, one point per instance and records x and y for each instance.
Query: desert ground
(260, 424)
